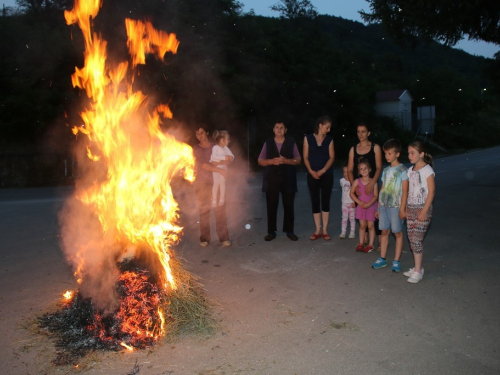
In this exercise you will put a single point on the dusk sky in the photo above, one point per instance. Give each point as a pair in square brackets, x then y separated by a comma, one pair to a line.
[345, 9]
[349, 10]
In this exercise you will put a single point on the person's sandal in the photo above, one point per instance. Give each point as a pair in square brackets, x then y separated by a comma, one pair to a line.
[327, 237]
[314, 237]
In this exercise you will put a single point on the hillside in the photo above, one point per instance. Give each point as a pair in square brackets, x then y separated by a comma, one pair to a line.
[241, 72]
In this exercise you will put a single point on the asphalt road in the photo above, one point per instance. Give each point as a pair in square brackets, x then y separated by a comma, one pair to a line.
[289, 307]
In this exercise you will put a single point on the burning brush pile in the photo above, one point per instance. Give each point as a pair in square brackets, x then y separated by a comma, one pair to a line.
[119, 228]
[145, 313]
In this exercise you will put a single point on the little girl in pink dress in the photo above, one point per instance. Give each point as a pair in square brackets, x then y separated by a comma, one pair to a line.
[366, 205]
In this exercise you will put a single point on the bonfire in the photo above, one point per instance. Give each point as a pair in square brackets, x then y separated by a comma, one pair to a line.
[120, 226]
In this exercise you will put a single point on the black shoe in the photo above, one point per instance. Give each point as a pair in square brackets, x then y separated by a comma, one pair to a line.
[292, 236]
[270, 237]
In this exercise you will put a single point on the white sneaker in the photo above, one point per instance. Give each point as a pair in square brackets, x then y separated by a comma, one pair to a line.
[204, 244]
[226, 243]
[416, 277]
[410, 271]
[352, 235]
[342, 235]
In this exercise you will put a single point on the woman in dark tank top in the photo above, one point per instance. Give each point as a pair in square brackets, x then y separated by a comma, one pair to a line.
[368, 150]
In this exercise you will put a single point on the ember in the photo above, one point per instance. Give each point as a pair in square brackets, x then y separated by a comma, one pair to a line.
[81, 327]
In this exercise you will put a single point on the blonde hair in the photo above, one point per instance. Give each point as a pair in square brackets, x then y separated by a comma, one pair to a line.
[219, 134]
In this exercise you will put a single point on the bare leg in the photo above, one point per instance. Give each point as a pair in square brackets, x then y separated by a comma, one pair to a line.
[317, 222]
[399, 245]
[325, 216]
[418, 261]
[384, 242]
[371, 231]
[362, 230]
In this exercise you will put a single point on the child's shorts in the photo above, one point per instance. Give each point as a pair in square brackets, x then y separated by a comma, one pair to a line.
[388, 218]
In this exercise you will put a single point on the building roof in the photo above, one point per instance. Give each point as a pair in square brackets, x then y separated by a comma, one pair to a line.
[391, 95]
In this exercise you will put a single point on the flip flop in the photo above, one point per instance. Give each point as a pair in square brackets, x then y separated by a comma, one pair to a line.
[314, 237]
[327, 237]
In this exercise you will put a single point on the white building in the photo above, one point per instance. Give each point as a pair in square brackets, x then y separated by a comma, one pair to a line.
[395, 104]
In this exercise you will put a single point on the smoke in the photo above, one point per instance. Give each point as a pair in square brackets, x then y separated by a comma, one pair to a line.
[88, 250]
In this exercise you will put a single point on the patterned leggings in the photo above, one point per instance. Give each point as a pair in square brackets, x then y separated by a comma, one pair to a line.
[348, 213]
[417, 229]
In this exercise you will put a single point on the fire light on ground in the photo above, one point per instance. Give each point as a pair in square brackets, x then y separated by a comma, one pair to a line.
[132, 202]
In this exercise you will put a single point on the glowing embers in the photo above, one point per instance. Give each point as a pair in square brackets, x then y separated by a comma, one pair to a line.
[136, 322]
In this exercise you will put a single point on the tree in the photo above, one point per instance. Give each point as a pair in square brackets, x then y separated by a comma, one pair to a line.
[447, 21]
[293, 9]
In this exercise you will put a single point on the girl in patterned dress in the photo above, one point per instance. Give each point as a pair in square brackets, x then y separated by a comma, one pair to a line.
[366, 205]
[421, 193]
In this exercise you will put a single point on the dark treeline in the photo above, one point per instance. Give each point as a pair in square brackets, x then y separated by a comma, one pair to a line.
[240, 71]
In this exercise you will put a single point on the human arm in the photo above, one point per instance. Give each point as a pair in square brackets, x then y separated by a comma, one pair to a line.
[377, 212]
[374, 198]
[350, 166]
[353, 195]
[305, 153]
[404, 199]
[378, 169]
[210, 167]
[331, 159]
[431, 187]
[264, 162]
[296, 160]
[224, 157]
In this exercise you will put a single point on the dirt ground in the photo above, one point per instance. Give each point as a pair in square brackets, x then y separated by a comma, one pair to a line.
[287, 307]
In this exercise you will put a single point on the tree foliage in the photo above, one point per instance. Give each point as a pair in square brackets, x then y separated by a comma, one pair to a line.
[447, 21]
[293, 9]
[233, 69]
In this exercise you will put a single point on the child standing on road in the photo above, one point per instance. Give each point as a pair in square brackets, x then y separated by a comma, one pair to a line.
[392, 204]
[221, 156]
[367, 205]
[419, 209]
[348, 206]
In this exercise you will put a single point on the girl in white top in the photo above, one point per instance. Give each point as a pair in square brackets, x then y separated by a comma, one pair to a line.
[421, 193]
[221, 156]
[348, 206]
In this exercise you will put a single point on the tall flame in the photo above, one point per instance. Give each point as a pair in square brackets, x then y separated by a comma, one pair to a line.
[135, 202]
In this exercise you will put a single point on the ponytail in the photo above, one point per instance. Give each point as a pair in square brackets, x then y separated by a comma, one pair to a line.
[428, 159]
[419, 146]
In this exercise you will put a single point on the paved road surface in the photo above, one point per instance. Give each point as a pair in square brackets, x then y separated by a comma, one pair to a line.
[290, 307]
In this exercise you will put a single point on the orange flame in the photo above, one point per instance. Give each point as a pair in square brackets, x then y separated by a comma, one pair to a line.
[135, 204]
[68, 295]
[127, 346]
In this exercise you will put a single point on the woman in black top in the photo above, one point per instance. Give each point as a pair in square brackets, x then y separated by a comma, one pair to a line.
[319, 154]
[279, 156]
[365, 149]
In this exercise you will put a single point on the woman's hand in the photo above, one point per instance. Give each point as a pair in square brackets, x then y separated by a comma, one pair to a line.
[278, 161]
[315, 174]
[369, 187]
